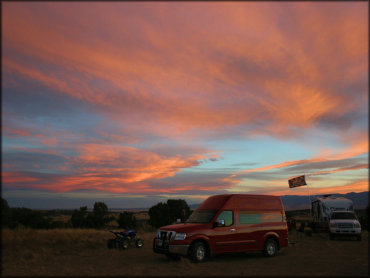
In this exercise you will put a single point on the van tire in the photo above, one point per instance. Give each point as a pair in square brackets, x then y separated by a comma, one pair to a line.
[198, 252]
[270, 248]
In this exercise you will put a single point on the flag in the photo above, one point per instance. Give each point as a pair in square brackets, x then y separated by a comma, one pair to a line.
[297, 181]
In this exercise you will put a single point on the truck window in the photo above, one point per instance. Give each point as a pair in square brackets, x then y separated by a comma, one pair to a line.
[343, 215]
[226, 215]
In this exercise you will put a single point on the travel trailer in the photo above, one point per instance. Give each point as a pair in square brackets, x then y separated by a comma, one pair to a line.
[323, 206]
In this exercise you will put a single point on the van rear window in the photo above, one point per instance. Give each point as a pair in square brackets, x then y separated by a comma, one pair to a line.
[251, 217]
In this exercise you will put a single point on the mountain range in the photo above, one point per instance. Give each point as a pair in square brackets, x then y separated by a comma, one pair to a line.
[295, 202]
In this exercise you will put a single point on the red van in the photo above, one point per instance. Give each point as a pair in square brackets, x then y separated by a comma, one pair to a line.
[226, 224]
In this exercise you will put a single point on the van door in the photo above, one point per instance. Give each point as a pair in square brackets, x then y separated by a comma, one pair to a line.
[249, 233]
[224, 237]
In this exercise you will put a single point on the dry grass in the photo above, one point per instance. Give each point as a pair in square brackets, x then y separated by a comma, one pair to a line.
[80, 252]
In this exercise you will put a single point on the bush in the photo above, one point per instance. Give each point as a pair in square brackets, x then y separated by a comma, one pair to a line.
[29, 218]
[79, 218]
[6, 215]
[98, 219]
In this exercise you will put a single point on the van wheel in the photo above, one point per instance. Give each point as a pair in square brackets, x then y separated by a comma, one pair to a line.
[331, 236]
[270, 249]
[198, 252]
[359, 238]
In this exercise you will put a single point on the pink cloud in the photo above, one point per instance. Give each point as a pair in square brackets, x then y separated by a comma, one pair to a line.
[149, 78]
[239, 64]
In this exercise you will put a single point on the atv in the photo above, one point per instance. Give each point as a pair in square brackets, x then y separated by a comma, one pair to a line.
[124, 239]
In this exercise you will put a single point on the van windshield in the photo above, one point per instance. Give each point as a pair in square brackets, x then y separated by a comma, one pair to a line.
[203, 216]
[343, 215]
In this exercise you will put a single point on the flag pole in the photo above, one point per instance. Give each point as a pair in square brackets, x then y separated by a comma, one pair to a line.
[309, 198]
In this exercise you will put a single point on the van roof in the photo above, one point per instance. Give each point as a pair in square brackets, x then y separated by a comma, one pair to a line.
[243, 201]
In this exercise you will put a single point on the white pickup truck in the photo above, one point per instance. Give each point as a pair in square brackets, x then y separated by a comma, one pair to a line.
[344, 223]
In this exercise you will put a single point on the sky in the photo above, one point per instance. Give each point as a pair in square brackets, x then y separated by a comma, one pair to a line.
[134, 103]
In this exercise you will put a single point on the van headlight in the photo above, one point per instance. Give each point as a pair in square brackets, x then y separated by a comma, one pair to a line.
[333, 225]
[357, 225]
[180, 236]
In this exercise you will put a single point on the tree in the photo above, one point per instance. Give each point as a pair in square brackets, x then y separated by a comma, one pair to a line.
[127, 220]
[179, 209]
[29, 218]
[100, 215]
[163, 214]
[78, 218]
[6, 214]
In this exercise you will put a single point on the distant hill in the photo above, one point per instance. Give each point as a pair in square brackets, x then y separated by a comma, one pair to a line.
[295, 202]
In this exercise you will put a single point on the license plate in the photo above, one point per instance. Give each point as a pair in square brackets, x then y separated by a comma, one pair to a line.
[159, 242]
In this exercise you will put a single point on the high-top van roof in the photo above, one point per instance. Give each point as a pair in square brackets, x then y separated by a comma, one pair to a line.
[243, 201]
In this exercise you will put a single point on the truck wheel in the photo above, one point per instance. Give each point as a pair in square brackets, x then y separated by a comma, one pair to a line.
[139, 243]
[198, 252]
[270, 249]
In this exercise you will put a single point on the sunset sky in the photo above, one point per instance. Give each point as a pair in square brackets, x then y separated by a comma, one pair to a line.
[133, 103]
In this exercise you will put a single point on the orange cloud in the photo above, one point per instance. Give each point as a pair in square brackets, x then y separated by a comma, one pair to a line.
[14, 178]
[147, 78]
[156, 68]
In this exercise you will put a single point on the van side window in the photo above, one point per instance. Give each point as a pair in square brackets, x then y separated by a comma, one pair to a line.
[226, 215]
[252, 217]
[249, 217]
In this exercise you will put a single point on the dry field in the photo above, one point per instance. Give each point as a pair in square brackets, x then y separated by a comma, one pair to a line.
[83, 253]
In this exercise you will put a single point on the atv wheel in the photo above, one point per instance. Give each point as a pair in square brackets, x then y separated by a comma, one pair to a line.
[139, 243]
[123, 243]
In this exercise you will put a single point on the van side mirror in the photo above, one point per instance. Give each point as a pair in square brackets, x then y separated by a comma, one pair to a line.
[219, 223]
[178, 221]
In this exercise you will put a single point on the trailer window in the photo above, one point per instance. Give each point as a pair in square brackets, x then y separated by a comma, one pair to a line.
[226, 215]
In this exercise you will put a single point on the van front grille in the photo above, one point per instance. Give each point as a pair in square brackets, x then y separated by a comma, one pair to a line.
[167, 235]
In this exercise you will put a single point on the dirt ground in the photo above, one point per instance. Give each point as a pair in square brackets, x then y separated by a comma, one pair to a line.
[61, 253]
